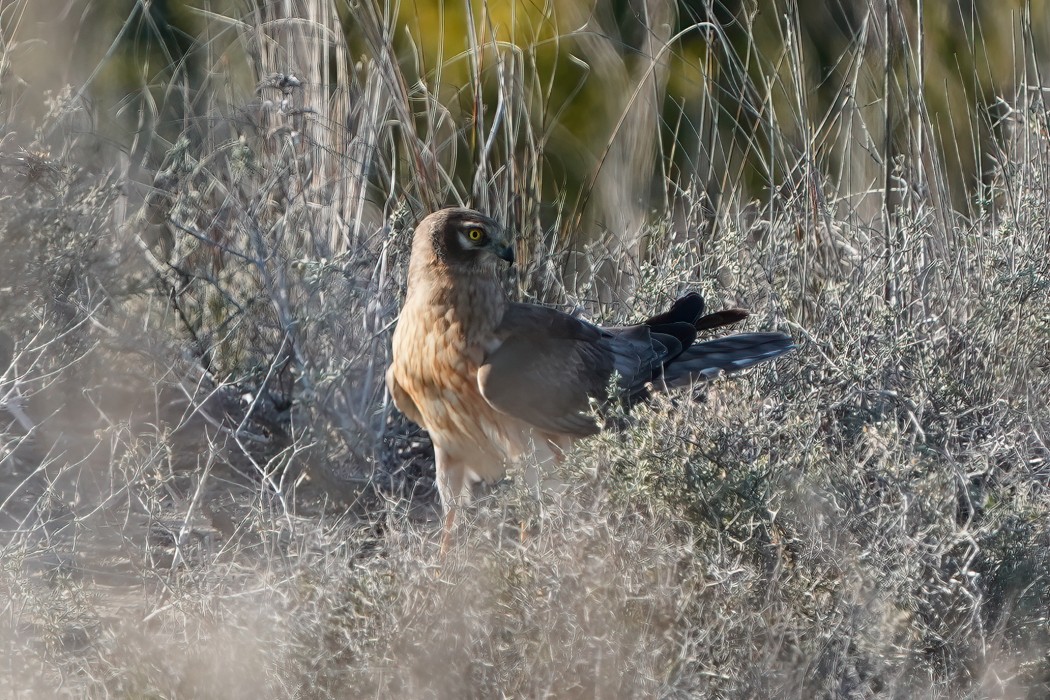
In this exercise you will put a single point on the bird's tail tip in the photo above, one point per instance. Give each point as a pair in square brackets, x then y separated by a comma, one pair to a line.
[732, 353]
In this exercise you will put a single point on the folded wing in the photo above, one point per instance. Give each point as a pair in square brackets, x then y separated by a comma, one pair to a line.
[545, 366]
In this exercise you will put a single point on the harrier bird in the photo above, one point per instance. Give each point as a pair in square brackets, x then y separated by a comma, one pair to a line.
[488, 377]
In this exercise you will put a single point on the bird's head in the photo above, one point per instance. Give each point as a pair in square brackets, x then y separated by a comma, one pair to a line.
[464, 239]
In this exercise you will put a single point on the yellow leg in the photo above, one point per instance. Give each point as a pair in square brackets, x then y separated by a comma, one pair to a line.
[446, 532]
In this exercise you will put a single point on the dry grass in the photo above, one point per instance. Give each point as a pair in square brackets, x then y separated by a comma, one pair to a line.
[215, 499]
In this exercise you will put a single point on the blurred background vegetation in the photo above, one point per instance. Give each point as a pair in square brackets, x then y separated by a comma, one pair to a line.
[723, 76]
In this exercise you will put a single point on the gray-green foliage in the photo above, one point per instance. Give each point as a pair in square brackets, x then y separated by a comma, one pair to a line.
[219, 502]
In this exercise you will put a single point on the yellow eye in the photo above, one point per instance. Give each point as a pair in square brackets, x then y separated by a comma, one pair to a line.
[475, 234]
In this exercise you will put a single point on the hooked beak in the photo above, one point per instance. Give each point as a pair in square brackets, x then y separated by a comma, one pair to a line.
[507, 254]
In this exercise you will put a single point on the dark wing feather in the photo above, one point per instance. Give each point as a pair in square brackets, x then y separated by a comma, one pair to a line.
[547, 365]
[685, 309]
[546, 368]
[719, 318]
[688, 309]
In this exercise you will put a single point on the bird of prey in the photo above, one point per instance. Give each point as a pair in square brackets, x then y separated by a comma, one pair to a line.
[489, 378]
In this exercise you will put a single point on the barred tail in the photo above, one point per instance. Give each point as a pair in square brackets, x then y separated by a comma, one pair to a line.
[708, 359]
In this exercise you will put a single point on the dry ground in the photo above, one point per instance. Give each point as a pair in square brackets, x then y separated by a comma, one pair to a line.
[216, 500]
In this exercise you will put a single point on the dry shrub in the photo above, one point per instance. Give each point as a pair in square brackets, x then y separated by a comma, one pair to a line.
[202, 356]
